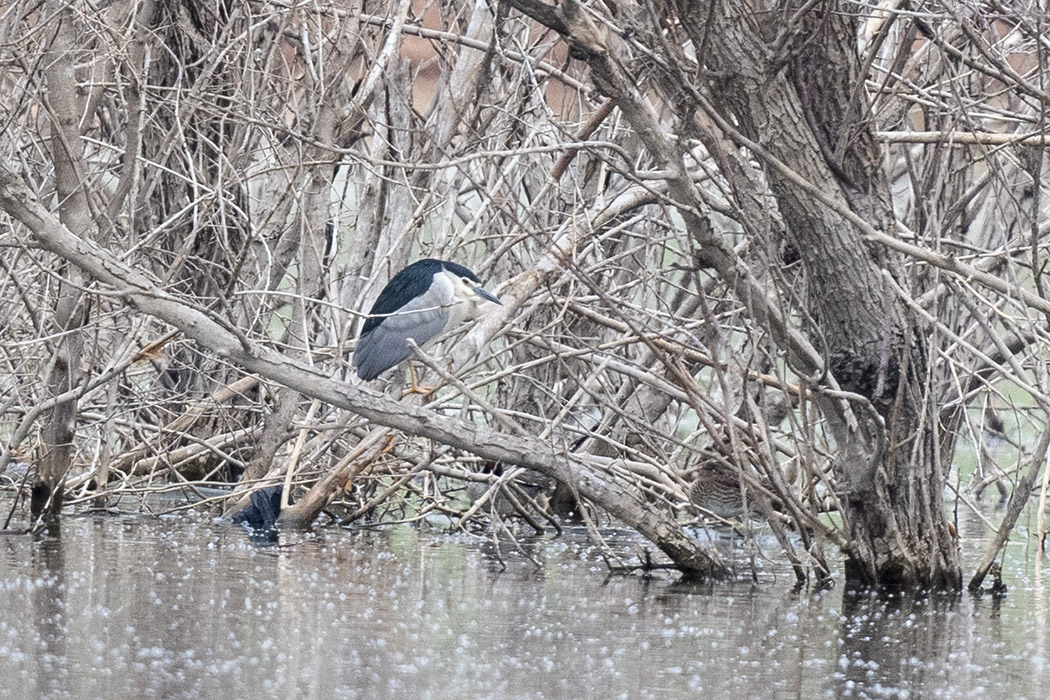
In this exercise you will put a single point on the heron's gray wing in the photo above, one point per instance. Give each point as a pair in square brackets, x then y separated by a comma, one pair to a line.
[386, 344]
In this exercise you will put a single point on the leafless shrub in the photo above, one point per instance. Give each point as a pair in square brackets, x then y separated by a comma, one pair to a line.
[272, 164]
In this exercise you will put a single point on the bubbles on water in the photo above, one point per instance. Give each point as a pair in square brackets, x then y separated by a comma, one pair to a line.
[197, 611]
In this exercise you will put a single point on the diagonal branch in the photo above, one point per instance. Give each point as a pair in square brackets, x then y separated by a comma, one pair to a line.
[138, 291]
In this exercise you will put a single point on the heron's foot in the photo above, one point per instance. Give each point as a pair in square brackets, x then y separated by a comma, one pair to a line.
[416, 389]
[414, 386]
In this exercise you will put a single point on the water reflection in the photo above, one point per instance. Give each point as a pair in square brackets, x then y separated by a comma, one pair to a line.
[48, 608]
[176, 608]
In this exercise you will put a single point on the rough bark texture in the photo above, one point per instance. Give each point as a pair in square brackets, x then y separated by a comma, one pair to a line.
[70, 311]
[694, 212]
[813, 120]
[889, 474]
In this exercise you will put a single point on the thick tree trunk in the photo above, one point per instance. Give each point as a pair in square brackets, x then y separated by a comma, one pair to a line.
[65, 109]
[814, 130]
[813, 118]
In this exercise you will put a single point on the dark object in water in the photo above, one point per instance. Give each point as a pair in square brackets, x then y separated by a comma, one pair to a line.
[262, 511]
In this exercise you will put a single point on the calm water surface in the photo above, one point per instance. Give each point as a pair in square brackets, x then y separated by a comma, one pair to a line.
[136, 607]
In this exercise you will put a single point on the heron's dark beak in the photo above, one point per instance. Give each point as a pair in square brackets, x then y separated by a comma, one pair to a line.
[486, 294]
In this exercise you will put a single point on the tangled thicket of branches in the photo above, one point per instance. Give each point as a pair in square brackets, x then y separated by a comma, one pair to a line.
[265, 166]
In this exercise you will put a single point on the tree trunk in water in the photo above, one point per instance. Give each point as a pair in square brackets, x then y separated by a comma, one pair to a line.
[70, 313]
[792, 91]
[812, 117]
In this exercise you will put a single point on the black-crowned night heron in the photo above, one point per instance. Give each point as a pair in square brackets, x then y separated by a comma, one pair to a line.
[418, 304]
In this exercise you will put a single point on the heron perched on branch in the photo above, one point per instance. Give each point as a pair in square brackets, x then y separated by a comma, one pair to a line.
[419, 304]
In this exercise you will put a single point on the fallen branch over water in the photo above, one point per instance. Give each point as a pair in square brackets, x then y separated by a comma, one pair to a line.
[212, 332]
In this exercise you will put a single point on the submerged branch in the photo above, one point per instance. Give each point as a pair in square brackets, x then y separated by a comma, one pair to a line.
[1022, 493]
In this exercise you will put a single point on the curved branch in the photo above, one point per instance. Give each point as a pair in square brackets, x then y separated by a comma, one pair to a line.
[139, 292]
